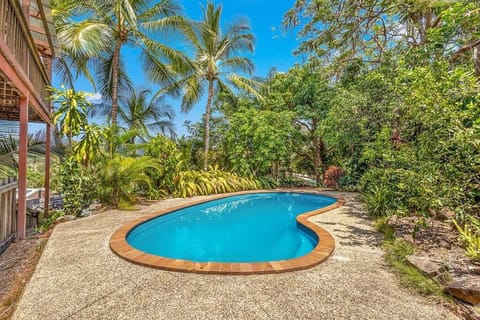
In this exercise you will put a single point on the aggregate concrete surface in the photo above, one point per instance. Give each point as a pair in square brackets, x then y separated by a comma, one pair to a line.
[79, 277]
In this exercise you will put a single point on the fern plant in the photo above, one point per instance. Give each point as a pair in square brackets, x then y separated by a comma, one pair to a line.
[470, 236]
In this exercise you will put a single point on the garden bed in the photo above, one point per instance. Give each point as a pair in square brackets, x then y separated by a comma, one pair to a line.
[17, 265]
[439, 254]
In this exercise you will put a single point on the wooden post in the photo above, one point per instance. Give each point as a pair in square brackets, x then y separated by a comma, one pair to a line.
[46, 201]
[22, 170]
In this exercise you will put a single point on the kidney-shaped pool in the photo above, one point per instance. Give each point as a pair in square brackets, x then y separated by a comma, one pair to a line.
[242, 229]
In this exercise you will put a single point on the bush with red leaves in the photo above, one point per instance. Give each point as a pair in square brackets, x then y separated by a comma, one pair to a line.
[332, 176]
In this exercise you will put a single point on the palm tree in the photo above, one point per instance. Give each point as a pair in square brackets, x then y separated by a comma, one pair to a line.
[97, 30]
[9, 145]
[143, 115]
[70, 112]
[216, 63]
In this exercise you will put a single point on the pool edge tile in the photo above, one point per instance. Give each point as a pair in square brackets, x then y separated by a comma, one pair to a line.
[319, 254]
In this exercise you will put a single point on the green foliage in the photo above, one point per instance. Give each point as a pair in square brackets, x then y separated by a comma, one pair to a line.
[396, 251]
[218, 64]
[71, 109]
[74, 184]
[35, 179]
[266, 183]
[382, 226]
[306, 93]
[121, 180]
[340, 31]
[390, 191]
[92, 33]
[258, 142]
[292, 182]
[169, 160]
[88, 148]
[470, 236]
[198, 183]
[48, 222]
[145, 116]
[379, 201]
[9, 147]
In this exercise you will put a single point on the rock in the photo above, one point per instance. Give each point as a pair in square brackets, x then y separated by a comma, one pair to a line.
[474, 269]
[409, 238]
[85, 213]
[442, 214]
[428, 266]
[94, 206]
[393, 220]
[66, 217]
[467, 289]
[446, 215]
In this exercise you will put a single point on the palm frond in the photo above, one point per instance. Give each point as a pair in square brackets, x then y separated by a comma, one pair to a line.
[163, 8]
[85, 38]
[104, 76]
[241, 64]
[193, 91]
[248, 85]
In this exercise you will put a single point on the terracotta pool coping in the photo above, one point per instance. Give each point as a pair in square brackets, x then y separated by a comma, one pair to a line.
[324, 248]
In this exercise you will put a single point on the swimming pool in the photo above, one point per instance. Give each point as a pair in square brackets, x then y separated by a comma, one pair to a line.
[247, 230]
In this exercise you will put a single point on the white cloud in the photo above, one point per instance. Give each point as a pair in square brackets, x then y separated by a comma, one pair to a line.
[95, 97]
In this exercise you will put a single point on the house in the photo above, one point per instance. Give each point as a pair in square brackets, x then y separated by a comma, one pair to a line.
[27, 47]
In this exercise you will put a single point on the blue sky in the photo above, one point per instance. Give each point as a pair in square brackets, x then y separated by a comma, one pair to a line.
[273, 46]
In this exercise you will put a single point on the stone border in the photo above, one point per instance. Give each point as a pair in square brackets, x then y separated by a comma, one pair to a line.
[324, 248]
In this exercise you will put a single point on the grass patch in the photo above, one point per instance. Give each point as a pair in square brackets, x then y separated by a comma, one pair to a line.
[396, 251]
[382, 226]
[410, 276]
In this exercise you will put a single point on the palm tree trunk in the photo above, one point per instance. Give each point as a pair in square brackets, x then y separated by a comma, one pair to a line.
[207, 124]
[115, 71]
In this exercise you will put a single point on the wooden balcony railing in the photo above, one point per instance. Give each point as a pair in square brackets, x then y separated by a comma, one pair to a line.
[14, 31]
[8, 211]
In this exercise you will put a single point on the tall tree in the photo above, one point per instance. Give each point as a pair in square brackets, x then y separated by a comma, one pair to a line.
[306, 92]
[146, 116]
[217, 63]
[99, 30]
[340, 31]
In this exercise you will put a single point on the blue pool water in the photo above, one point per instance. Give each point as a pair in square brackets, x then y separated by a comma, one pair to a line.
[246, 228]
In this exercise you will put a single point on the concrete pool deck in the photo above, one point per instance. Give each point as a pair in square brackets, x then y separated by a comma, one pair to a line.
[79, 277]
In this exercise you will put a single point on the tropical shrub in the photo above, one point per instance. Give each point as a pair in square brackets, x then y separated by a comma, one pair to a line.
[198, 183]
[35, 179]
[331, 177]
[394, 191]
[122, 180]
[292, 182]
[75, 185]
[169, 159]
[266, 183]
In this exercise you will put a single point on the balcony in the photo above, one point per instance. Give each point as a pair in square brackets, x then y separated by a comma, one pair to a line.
[24, 72]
